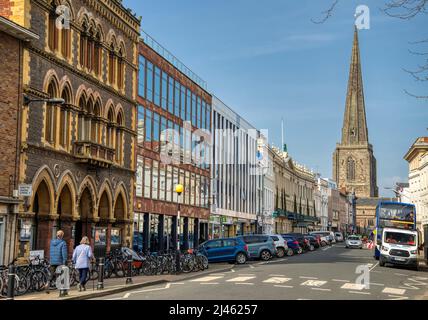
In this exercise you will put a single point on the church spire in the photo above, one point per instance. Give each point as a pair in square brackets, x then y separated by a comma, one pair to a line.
[354, 129]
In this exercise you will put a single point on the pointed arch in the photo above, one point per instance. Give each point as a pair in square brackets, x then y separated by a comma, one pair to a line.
[105, 210]
[350, 169]
[121, 203]
[87, 199]
[43, 199]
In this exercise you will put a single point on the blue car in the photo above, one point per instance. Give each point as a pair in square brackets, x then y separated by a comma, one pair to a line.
[293, 244]
[225, 250]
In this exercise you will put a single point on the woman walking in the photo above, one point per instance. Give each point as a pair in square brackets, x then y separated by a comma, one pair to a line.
[82, 256]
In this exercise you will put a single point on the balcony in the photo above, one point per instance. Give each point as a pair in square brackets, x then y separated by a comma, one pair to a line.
[302, 218]
[93, 154]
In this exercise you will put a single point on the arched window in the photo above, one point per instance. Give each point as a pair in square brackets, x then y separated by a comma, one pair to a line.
[120, 69]
[50, 123]
[83, 44]
[110, 129]
[88, 117]
[66, 38]
[350, 169]
[112, 65]
[64, 118]
[97, 53]
[119, 138]
[81, 121]
[95, 126]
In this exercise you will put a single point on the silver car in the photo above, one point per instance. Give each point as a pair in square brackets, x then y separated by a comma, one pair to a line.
[354, 242]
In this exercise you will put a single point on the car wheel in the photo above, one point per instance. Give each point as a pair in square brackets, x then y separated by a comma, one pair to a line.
[280, 252]
[265, 255]
[300, 251]
[381, 262]
[241, 258]
[290, 252]
[311, 247]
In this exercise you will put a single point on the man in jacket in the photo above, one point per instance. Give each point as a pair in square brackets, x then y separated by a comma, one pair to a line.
[58, 255]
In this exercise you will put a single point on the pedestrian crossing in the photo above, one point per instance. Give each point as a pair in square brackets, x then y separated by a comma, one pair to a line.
[281, 281]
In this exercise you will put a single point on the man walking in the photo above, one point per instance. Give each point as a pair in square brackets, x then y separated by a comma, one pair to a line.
[58, 255]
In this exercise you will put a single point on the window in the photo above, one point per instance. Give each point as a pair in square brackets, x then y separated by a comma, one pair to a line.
[169, 184]
[110, 129]
[208, 117]
[229, 243]
[164, 91]
[162, 181]
[198, 190]
[351, 169]
[53, 31]
[112, 66]
[174, 184]
[157, 86]
[156, 129]
[171, 98]
[177, 98]
[187, 188]
[192, 189]
[64, 118]
[148, 141]
[147, 177]
[203, 115]
[188, 106]
[65, 42]
[194, 113]
[142, 77]
[140, 125]
[182, 181]
[198, 113]
[119, 138]
[183, 103]
[214, 244]
[121, 69]
[149, 78]
[155, 180]
[50, 123]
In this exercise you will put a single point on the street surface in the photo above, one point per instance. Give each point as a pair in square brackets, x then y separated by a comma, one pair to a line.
[328, 273]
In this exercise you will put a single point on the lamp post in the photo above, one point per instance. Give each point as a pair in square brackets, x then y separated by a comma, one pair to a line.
[179, 188]
[28, 100]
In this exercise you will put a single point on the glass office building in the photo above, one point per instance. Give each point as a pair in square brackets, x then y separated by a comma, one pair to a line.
[174, 124]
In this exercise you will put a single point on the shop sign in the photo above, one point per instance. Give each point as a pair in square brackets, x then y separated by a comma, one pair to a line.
[37, 254]
[25, 190]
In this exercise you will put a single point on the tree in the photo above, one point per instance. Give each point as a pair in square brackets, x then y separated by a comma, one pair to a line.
[404, 10]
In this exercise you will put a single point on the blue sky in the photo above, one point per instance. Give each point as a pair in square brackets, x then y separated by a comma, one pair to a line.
[267, 60]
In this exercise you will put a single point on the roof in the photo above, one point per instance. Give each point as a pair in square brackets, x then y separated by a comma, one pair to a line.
[420, 144]
[16, 30]
[371, 202]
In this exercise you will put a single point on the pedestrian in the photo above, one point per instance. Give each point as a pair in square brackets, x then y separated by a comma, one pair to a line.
[82, 256]
[57, 254]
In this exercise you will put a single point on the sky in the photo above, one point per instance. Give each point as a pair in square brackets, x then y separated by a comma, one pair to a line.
[267, 60]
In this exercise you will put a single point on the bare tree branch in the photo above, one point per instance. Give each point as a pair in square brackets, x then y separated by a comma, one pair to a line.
[405, 9]
[327, 14]
[415, 96]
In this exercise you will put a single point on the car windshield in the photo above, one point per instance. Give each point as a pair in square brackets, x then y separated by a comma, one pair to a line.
[354, 238]
[400, 238]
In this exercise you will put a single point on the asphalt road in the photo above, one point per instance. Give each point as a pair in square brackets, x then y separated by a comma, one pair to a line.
[329, 273]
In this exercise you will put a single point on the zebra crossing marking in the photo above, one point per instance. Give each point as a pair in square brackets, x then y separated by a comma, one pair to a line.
[240, 279]
[207, 279]
[393, 291]
[352, 286]
[313, 283]
[277, 280]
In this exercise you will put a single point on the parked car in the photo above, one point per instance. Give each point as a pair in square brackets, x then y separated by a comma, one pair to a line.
[281, 246]
[225, 250]
[303, 242]
[259, 246]
[328, 236]
[318, 239]
[313, 242]
[293, 244]
[339, 236]
[354, 242]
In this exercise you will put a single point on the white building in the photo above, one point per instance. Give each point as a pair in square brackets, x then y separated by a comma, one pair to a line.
[321, 194]
[417, 157]
[269, 195]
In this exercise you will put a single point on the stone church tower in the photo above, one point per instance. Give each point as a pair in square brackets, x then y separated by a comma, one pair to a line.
[354, 165]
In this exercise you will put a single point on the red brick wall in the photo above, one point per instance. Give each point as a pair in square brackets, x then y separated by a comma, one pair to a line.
[5, 6]
[9, 99]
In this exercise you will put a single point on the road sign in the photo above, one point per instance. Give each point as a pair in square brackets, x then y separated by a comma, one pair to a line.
[25, 190]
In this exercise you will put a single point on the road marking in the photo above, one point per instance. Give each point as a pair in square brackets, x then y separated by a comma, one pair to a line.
[352, 286]
[282, 286]
[324, 249]
[320, 289]
[359, 292]
[277, 280]
[276, 275]
[177, 283]
[421, 278]
[246, 274]
[126, 296]
[205, 283]
[409, 288]
[240, 279]
[168, 285]
[338, 280]
[206, 279]
[217, 274]
[374, 266]
[308, 278]
[376, 284]
[245, 283]
[397, 297]
[252, 267]
[313, 283]
[401, 274]
[393, 291]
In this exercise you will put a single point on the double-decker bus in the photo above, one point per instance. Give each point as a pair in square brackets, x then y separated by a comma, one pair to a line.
[396, 234]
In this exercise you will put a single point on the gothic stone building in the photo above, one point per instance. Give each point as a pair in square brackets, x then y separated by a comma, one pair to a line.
[354, 165]
[79, 156]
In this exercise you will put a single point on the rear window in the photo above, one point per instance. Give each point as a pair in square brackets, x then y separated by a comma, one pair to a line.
[354, 238]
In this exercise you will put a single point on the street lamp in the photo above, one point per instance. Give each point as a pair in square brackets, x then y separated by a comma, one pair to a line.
[179, 188]
[28, 100]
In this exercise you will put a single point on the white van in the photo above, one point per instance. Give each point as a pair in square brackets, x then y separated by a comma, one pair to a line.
[398, 247]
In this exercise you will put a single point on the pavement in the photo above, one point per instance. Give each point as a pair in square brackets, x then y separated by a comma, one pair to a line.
[330, 273]
[118, 285]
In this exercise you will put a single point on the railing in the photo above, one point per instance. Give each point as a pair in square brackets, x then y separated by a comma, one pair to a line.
[94, 153]
[152, 43]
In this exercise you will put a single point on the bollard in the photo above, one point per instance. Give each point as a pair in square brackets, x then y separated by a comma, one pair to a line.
[129, 277]
[100, 284]
[11, 282]
[177, 262]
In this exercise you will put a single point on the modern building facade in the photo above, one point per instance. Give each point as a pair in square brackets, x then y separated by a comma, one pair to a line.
[417, 192]
[236, 181]
[13, 39]
[174, 125]
[73, 155]
[354, 165]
